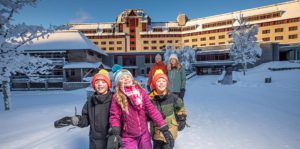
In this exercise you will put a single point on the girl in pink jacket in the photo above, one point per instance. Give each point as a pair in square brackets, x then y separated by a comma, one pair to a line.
[128, 114]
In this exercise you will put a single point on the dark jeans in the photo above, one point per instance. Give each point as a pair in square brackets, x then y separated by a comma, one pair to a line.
[160, 145]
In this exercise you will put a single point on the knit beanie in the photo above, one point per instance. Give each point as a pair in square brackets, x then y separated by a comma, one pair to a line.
[157, 75]
[173, 56]
[119, 72]
[101, 75]
[158, 56]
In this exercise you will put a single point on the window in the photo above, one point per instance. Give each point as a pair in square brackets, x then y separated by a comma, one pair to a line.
[221, 36]
[103, 48]
[96, 43]
[119, 48]
[230, 36]
[194, 46]
[132, 36]
[203, 39]
[153, 48]
[176, 41]
[211, 44]
[294, 36]
[119, 42]
[153, 41]
[169, 41]
[186, 41]
[293, 28]
[72, 72]
[266, 39]
[132, 30]
[278, 22]
[220, 43]
[278, 30]
[279, 38]
[266, 31]
[132, 42]
[103, 43]
[194, 40]
[203, 45]
[91, 53]
[212, 38]
[111, 48]
[161, 41]
[132, 49]
[146, 42]
[146, 48]
[292, 20]
[111, 42]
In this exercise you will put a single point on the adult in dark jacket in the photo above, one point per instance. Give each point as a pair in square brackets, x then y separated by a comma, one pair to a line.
[95, 112]
[176, 76]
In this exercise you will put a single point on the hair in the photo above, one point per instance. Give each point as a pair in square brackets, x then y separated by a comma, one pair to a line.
[177, 65]
[122, 98]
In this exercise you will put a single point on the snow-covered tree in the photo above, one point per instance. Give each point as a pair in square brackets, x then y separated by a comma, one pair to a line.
[186, 56]
[244, 48]
[12, 36]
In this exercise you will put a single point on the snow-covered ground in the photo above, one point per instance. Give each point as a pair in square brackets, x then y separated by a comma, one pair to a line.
[247, 115]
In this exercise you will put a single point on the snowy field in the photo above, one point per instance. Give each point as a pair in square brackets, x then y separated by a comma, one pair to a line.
[247, 115]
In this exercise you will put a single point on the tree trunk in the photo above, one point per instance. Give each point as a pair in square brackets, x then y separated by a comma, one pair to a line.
[6, 94]
[244, 68]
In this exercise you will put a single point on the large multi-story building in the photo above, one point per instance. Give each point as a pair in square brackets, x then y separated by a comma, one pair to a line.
[133, 39]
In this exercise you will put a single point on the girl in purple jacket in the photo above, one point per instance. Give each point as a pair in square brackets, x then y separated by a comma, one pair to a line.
[128, 114]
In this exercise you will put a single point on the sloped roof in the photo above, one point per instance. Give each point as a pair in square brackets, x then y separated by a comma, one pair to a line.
[62, 41]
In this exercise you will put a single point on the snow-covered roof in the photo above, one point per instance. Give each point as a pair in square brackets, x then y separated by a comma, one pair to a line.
[62, 41]
[74, 65]
[88, 26]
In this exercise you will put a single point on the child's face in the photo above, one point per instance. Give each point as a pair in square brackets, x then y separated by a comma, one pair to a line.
[101, 86]
[125, 80]
[173, 61]
[161, 84]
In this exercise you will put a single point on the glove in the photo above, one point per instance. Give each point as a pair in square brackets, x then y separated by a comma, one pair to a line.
[167, 134]
[114, 140]
[181, 120]
[148, 88]
[182, 92]
[66, 121]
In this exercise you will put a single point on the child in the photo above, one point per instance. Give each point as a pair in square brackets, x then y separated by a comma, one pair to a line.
[176, 76]
[95, 112]
[129, 110]
[170, 106]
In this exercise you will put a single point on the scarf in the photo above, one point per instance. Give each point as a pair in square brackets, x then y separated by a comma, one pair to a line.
[133, 93]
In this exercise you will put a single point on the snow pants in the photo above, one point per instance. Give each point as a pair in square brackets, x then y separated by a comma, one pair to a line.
[157, 144]
[141, 142]
[98, 143]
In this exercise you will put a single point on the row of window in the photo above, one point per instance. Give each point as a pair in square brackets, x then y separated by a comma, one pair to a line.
[160, 41]
[250, 18]
[294, 36]
[277, 30]
[111, 48]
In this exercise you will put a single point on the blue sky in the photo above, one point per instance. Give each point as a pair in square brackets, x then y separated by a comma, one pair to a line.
[57, 12]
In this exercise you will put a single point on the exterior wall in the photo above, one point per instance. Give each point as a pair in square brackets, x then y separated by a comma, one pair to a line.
[83, 56]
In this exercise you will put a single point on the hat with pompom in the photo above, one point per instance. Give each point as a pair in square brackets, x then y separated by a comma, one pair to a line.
[101, 75]
[157, 75]
[119, 72]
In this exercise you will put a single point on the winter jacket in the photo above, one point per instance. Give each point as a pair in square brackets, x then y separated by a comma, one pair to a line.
[169, 105]
[176, 79]
[95, 113]
[156, 66]
[134, 123]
